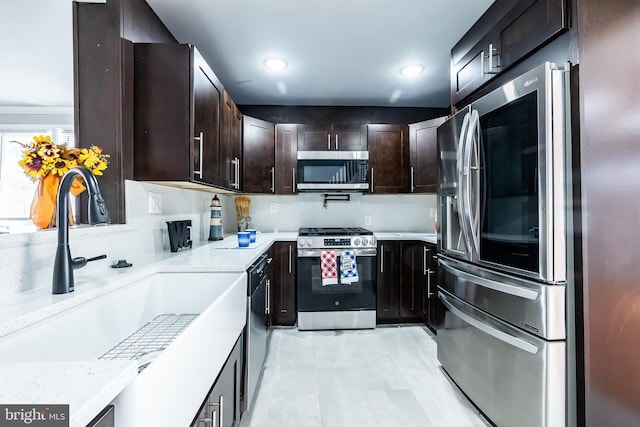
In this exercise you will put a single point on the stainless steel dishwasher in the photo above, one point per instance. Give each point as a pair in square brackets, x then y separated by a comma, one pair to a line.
[256, 329]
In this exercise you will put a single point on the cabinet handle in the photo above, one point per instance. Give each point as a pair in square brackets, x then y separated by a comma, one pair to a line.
[371, 180]
[336, 141]
[491, 50]
[236, 173]
[221, 403]
[290, 259]
[412, 173]
[273, 179]
[424, 260]
[328, 141]
[201, 140]
[429, 293]
[267, 308]
[381, 259]
[482, 64]
[293, 180]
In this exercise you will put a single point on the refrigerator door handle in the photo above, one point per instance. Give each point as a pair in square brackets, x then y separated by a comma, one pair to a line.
[499, 335]
[460, 190]
[506, 288]
[471, 212]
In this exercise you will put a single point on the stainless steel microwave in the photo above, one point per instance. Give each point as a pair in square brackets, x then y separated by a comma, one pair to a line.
[333, 171]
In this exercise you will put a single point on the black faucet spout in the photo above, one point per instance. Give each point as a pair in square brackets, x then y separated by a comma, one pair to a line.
[64, 265]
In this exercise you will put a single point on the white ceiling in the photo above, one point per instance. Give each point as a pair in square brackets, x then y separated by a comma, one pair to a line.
[340, 52]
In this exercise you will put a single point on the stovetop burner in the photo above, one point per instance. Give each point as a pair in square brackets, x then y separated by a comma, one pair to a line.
[334, 231]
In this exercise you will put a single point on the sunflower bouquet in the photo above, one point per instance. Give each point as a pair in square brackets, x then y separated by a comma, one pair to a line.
[45, 162]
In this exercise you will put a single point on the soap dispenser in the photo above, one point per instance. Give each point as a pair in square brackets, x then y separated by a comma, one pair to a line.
[215, 223]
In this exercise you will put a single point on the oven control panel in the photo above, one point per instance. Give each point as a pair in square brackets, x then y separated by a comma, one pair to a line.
[336, 242]
[342, 241]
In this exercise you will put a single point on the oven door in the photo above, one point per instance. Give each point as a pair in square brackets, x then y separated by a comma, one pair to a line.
[513, 194]
[313, 296]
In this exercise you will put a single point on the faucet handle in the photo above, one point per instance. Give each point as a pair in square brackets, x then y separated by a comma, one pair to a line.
[80, 261]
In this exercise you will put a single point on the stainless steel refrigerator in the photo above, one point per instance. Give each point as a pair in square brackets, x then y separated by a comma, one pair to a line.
[504, 186]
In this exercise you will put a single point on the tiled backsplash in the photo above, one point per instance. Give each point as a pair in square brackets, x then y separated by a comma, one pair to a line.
[26, 260]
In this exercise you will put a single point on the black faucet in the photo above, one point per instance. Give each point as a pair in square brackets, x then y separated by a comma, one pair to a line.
[63, 265]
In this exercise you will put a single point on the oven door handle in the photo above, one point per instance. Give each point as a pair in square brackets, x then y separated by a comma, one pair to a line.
[315, 253]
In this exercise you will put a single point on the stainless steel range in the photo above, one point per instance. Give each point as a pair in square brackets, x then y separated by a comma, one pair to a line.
[336, 278]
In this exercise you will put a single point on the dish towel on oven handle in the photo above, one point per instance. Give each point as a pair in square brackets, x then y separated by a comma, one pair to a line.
[348, 267]
[329, 268]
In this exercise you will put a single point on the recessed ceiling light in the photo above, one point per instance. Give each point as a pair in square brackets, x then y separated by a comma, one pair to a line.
[275, 63]
[412, 70]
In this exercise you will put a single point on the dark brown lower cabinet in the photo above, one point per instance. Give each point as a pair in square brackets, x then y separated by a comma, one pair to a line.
[106, 418]
[388, 282]
[221, 408]
[282, 295]
[407, 282]
[412, 287]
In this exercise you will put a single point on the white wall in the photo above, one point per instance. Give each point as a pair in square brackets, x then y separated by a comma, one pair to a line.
[399, 212]
[26, 260]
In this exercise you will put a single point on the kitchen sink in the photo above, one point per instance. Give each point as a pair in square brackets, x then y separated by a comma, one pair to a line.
[186, 366]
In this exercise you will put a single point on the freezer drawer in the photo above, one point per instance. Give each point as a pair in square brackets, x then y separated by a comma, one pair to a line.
[515, 378]
[533, 306]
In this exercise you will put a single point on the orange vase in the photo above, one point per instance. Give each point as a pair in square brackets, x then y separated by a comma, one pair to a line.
[43, 206]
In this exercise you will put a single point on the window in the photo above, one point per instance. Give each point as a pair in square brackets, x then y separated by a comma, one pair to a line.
[16, 189]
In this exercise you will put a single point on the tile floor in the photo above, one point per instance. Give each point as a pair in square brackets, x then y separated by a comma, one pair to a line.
[386, 377]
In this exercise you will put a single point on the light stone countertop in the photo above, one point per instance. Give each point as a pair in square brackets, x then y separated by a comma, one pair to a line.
[425, 237]
[89, 386]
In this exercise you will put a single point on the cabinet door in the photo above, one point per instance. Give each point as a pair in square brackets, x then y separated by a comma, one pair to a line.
[258, 159]
[210, 152]
[505, 34]
[286, 158]
[231, 141]
[388, 282]
[435, 313]
[471, 72]
[388, 158]
[349, 137]
[423, 152]
[414, 280]
[106, 418]
[224, 399]
[162, 122]
[314, 137]
[283, 284]
[529, 25]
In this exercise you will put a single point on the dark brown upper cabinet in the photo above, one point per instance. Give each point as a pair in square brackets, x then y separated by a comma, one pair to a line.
[286, 158]
[506, 33]
[258, 157]
[423, 152]
[388, 158]
[177, 116]
[231, 141]
[332, 138]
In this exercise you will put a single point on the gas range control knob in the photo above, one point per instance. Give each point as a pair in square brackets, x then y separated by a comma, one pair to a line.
[301, 242]
[356, 241]
[309, 242]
